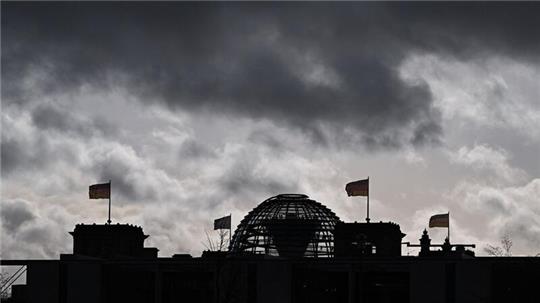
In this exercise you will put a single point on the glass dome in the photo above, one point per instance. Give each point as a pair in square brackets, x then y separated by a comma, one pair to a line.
[287, 225]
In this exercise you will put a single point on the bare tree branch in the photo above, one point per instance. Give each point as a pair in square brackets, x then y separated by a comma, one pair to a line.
[219, 244]
[505, 250]
[506, 243]
[4, 277]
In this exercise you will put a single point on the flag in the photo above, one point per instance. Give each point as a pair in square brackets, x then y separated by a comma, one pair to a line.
[358, 188]
[223, 223]
[100, 191]
[441, 220]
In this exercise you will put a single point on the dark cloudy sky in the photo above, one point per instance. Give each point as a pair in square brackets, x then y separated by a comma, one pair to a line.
[199, 110]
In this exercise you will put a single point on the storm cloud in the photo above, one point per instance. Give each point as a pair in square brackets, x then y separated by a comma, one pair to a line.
[198, 110]
[15, 214]
[311, 67]
[307, 68]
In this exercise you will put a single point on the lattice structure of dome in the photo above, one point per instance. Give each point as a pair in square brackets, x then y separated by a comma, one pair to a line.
[287, 225]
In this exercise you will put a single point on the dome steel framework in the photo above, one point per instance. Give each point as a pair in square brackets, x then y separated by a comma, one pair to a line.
[287, 225]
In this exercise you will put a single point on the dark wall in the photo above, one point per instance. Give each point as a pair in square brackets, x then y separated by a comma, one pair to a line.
[311, 285]
[129, 283]
[367, 239]
[267, 280]
[516, 281]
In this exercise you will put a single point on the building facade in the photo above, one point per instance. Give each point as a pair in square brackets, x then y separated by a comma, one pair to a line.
[303, 253]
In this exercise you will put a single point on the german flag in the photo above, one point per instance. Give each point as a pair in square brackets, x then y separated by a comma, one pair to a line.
[441, 220]
[358, 188]
[100, 191]
[223, 223]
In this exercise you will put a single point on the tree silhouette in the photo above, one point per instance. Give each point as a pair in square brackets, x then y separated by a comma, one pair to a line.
[217, 244]
[505, 250]
[4, 277]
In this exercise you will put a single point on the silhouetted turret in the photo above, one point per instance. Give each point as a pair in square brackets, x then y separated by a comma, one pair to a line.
[425, 243]
[446, 251]
[357, 239]
[111, 241]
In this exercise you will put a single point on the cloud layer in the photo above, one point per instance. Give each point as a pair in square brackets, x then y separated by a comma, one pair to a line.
[199, 110]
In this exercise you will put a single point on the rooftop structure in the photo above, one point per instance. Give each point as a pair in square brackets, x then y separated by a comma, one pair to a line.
[362, 263]
[111, 241]
[288, 225]
[368, 239]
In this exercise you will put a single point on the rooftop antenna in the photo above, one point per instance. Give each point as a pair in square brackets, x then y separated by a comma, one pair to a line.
[110, 194]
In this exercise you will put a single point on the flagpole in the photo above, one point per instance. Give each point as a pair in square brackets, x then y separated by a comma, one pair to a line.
[448, 226]
[367, 218]
[110, 194]
[230, 226]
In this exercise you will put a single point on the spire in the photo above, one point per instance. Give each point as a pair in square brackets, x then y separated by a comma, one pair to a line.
[447, 247]
[425, 243]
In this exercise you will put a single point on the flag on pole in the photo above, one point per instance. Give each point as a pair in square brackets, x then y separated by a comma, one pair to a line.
[441, 220]
[223, 223]
[100, 191]
[358, 188]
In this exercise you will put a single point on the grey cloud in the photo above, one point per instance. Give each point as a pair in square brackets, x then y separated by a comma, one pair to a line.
[14, 214]
[276, 63]
[34, 149]
[498, 206]
[524, 229]
[192, 149]
[120, 170]
[266, 138]
[34, 152]
[507, 210]
[19, 154]
[46, 117]
[474, 30]
[50, 117]
[33, 232]
[243, 178]
[265, 62]
[11, 155]
[328, 70]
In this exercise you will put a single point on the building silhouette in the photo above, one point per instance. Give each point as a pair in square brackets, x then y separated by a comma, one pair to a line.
[287, 249]
[288, 225]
